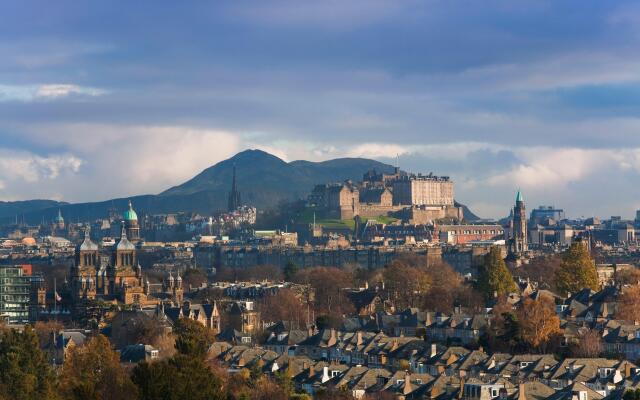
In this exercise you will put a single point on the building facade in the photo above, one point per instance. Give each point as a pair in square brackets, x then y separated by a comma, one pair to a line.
[15, 294]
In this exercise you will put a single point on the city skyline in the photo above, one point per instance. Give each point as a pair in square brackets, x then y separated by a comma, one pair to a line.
[539, 96]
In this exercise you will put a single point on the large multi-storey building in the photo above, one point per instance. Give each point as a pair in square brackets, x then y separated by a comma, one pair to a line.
[15, 294]
[419, 190]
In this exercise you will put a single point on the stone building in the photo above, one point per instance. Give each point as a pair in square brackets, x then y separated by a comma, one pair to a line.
[120, 279]
[416, 198]
[420, 190]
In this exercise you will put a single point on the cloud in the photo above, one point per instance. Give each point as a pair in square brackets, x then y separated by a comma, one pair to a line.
[125, 160]
[28, 93]
[24, 172]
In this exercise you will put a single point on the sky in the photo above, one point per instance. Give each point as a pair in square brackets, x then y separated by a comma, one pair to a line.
[113, 99]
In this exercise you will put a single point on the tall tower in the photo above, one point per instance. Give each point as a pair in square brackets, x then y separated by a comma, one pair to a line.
[234, 195]
[83, 285]
[131, 223]
[519, 243]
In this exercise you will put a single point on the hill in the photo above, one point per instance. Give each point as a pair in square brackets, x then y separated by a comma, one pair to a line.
[264, 180]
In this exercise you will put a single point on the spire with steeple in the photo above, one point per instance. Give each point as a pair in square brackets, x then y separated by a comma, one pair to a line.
[519, 235]
[234, 195]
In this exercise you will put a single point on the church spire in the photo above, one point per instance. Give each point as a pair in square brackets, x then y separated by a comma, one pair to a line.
[234, 194]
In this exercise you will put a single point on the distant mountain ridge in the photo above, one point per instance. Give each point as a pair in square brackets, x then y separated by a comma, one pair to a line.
[263, 180]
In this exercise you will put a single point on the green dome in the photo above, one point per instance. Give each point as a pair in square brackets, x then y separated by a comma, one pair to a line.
[130, 215]
[59, 217]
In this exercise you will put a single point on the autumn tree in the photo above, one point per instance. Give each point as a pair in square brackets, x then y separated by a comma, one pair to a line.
[627, 276]
[93, 371]
[629, 304]
[539, 323]
[285, 305]
[24, 371]
[45, 331]
[495, 278]
[541, 269]
[577, 270]
[503, 331]
[589, 345]
[446, 288]
[405, 284]
[328, 285]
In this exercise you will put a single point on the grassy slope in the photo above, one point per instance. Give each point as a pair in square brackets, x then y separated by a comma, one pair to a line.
[306, 217]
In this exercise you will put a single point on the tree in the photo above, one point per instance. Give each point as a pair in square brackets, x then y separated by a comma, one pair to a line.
[542, 269]
[627, 276]
[45, 331]
[631, 394]
[577, 270]
[539, 323]
[589, 345]
[93, 371]
[446, 285]
[192, 338]
[405, 284]
[181, 377]
[495, 278]
[629, 304]
[290, 270]
[185, 376]
[285, 305]
[503, 333]
[328, 285]
[24, 371]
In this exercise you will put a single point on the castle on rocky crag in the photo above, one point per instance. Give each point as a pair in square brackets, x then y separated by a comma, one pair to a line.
[415, 198]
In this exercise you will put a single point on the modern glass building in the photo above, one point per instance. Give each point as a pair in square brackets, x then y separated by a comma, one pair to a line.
[15, 294]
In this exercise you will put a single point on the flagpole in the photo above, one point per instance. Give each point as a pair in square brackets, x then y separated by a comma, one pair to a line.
[55, 298]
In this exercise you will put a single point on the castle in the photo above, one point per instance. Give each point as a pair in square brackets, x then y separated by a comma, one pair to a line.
[414, 198]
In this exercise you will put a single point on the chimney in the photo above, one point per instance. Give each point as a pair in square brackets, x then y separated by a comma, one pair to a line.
[434, 350]
[325, 374]
[312, 371]
[522, 395]
[332, 338]
[359, 338]
[406, 388]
